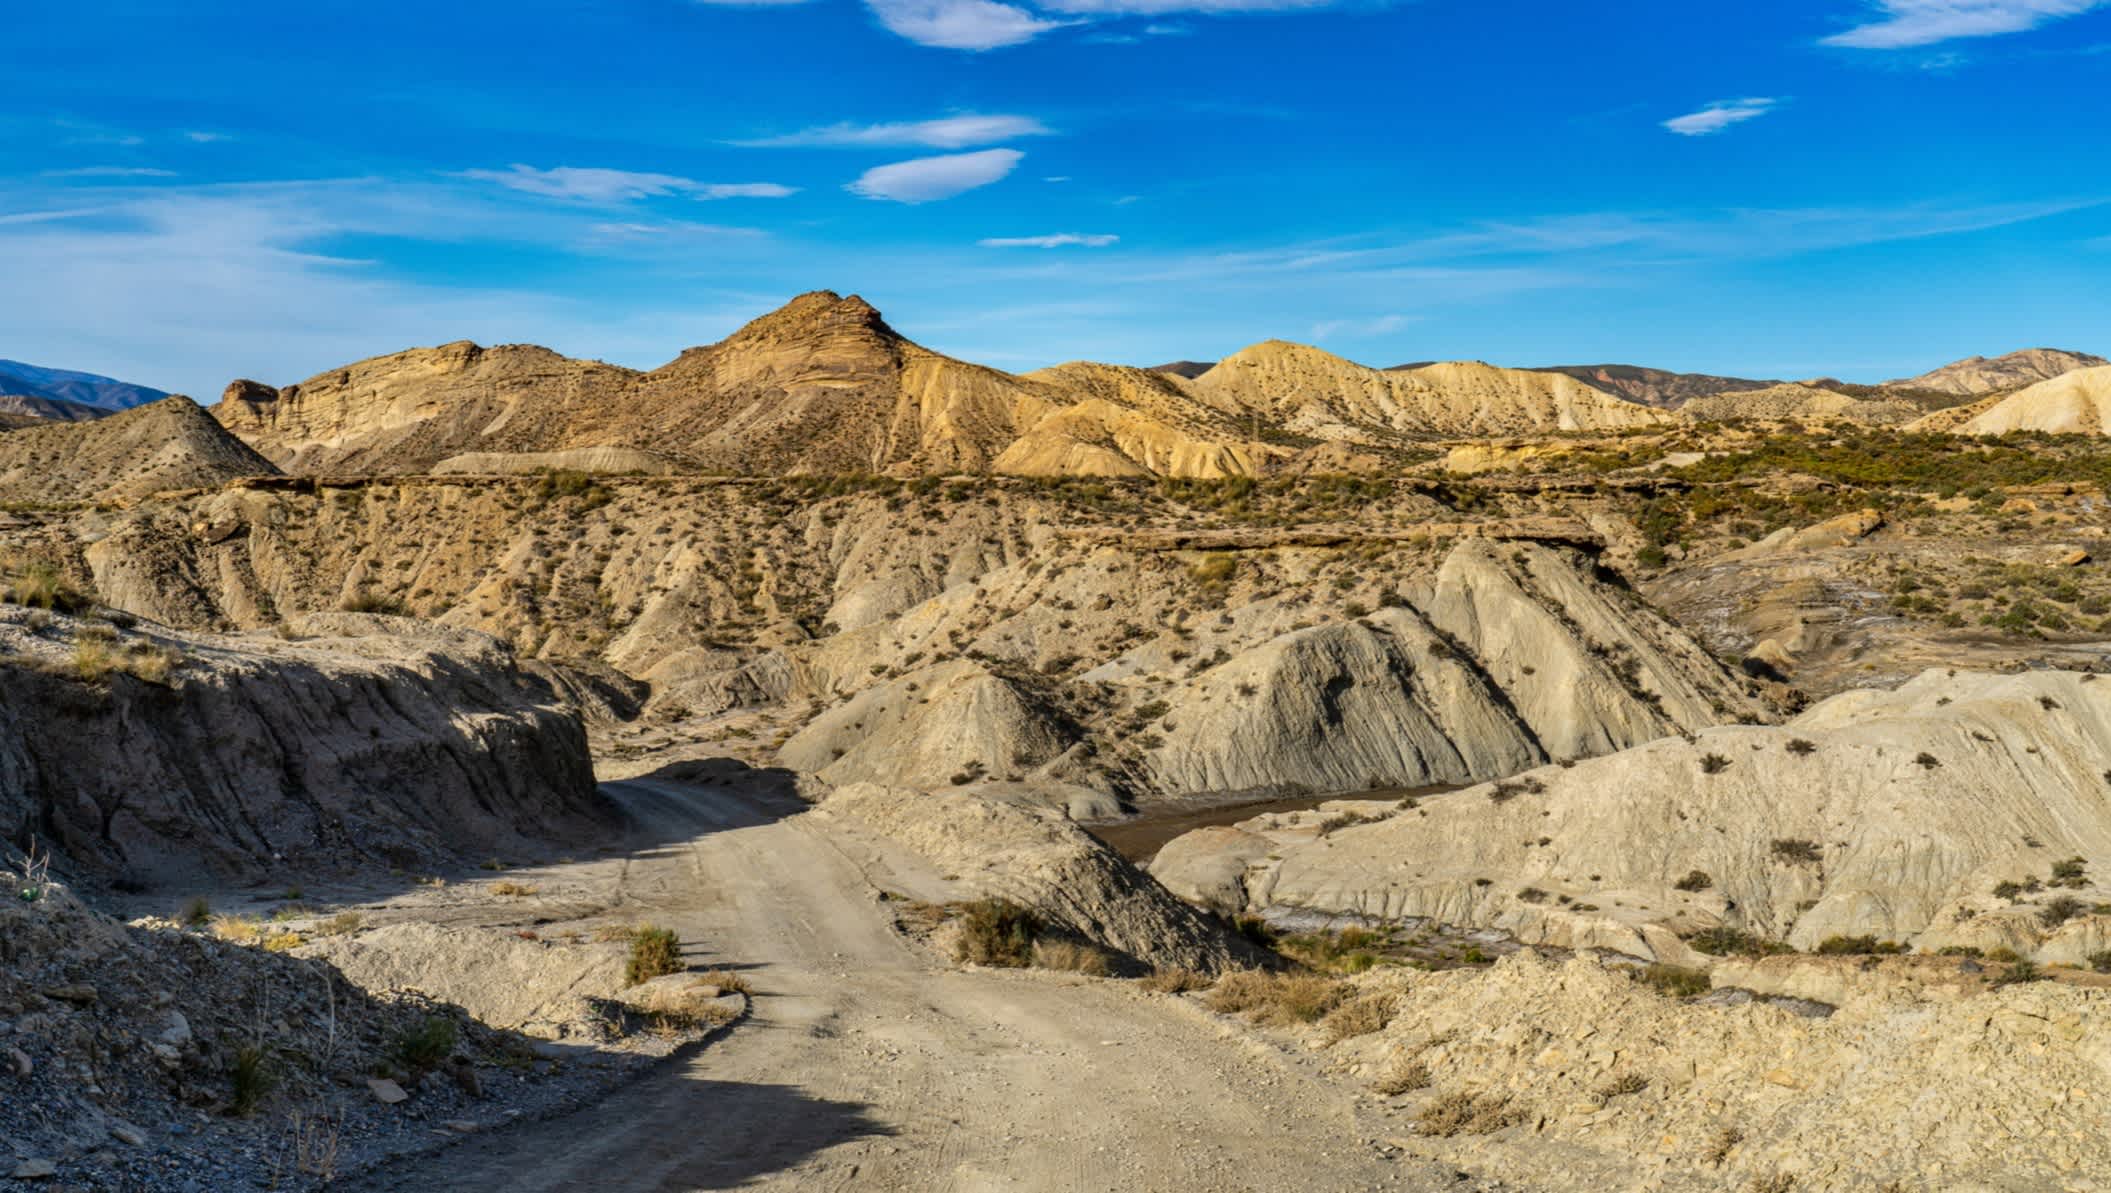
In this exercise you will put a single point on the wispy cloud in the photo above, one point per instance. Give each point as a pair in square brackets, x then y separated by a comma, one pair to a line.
[206, 136]
[1719, 115]
[1333, 329]
[960, 24]
[591, 185]
[1055, 241]
[1902, 24]
[923, 179]
[111, 172]
[1152, 8]
[947, 132]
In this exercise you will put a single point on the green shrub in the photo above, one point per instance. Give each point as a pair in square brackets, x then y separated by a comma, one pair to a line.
[1675, 981]
[254, 1077]
[426, 1047]
[654, 952]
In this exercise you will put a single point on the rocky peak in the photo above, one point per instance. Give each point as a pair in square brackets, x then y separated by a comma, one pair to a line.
[244, 390]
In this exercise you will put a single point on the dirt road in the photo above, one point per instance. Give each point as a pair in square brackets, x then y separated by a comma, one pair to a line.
[867, 1065]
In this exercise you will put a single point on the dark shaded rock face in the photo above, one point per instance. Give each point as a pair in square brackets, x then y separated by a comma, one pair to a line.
[372, 742]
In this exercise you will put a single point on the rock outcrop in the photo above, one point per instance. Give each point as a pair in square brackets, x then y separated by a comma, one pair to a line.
[1038, 859]
[360, 738]
[1894, 814]
[1802, 403]
[945, 724]
[2074, 403]
[169, 444]
[1654, 387]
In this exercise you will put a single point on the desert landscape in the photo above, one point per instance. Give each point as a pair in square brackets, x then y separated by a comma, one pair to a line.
[1055, 596]
[823, 763]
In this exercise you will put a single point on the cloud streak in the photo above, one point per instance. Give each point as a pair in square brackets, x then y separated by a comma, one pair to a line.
[1719, 115]
[1904, 24]
[1055, 241]
[964, 131]
[599, 186]
[925, 179]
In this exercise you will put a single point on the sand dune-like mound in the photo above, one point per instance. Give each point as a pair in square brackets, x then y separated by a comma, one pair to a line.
[2076, 403]
[1803, 403]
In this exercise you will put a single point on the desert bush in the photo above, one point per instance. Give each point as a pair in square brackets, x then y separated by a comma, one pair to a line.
[238, 929]
[1797, 852]
[344, 923]
[1174, 981]
[254, 1077]
[1675, 981]
[197, 912]
[1071, 957]
[997, 932]
[1857, 946]
[2100, 961]
[42, 586]
[1464, 1113]
[654, 952]
[1621, 1086]
[1359, 1016]
[2019, 972]
[2055, 912]
[1275, 998]
[513, 890]
[1695, 880]
[1802, 747]
[1404, 1075]
[1714, 764]
[427, 1046]
[1726, 941]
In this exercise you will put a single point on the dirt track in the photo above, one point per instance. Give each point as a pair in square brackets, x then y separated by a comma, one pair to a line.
[866, 1065]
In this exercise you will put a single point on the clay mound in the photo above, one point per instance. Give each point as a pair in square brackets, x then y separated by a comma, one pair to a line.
[247, 755]
[1892, 814]
[1950, 418]
[170, 444]
[1802, 403]
[1976, 375]
[1310, 392]
[1038, 859]
[543, 988]
[942, 725]
[1376, 703]
[2075, 403]
[617, 461]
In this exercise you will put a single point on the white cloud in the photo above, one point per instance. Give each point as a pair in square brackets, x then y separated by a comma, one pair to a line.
[1718, 116]
[1055, 241]
[111, 172]
[745, 190]
[923, 179]
[1908, 23]
[1355, 328]
[946, 132]
[619, 186]
[960, 24]
[749, 3]
[203, 137]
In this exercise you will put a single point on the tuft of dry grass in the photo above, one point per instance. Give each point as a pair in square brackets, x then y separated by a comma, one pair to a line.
[238, 929]
[510, 889]
[344, 923]
[1464, 1113]
[1173, 981]
[1621, 1086]
[1405, 1075]
[672, 1008]
[283, 940]
[1359, 1016]
[1071, 956]
[1278, 999]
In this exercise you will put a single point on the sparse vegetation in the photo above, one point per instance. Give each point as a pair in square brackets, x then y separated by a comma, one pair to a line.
[1405, 1075]
[1796, 851]
[254, 1077]
[1675, 981]
[1071, 956]
[1464, 1113]
[997, 932]
[1360, 1016]
[1279, 999]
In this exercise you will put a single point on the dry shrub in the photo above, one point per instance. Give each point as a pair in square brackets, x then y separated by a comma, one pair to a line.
[513, 890]
[1624, 1084]
[1359, 1017]
[654, 952]
[1070, 956]
[1405, 1075]
[344, 923]
[238, 929]
[727, 981]
[1464, 1113]
[997, 932]
[1174, 981]
[671, 1008]
[1279, 999]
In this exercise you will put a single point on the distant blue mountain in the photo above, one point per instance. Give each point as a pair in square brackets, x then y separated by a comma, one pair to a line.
[86, 389]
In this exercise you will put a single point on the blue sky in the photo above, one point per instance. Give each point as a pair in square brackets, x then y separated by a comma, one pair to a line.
[190, 193]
